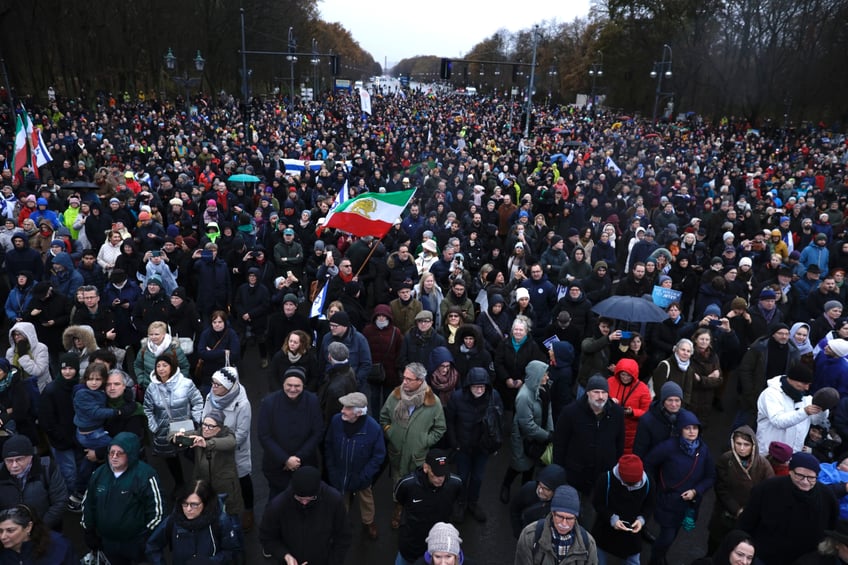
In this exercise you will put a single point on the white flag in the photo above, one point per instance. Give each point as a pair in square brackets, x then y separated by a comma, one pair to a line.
[42, 154]
[365, 101]
[612, 166]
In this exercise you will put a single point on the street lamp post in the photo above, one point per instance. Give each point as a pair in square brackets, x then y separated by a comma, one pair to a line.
[532, 80]
[552, 74]
[596, 70]
[316, 60]
[292, 59]
[662, 69]
[186, 81]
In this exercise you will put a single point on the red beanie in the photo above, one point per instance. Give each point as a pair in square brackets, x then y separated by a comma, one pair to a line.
[630, 468]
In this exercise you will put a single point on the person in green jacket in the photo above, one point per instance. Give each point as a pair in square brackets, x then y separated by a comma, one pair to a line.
[123, 503]
[413, 420]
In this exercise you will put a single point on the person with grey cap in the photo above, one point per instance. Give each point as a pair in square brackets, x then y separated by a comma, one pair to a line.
[288, 254]
[444, 546]
[589, 437]
[557, 538]
[788, 516]
[421, 340]
[354, 451]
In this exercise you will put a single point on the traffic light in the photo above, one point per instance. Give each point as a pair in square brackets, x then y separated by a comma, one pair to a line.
[445, 70]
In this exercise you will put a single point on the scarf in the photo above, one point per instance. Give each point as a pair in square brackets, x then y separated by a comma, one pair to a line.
[806, 346]
[561, 544]
[409, 401]
[222, 402]
[788, 390]
[683, 366]
[690, 447]
[158, 350]
[444, 384]
[294, 357]
[4, 384]
[516, 345]
[767, 314]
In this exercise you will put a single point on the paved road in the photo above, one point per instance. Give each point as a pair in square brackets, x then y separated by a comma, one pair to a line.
[490, 543]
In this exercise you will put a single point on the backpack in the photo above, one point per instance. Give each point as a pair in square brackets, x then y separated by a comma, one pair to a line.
[491, 438]
[540, 527]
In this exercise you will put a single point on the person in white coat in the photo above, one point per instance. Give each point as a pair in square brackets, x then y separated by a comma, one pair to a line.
[785, 410]
[28, 355]
[229, 397]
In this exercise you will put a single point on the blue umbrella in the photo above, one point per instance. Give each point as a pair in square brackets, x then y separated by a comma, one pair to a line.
[630, 309]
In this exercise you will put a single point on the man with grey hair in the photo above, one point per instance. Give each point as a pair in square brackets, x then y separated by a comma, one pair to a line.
[354, 450]
[413, 420]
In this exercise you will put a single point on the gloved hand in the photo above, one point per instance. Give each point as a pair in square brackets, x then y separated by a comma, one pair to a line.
[93, 541]
[126, 409]
[22, 348]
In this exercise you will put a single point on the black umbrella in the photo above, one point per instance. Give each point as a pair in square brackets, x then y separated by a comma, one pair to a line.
[630, 309]
[79, 184]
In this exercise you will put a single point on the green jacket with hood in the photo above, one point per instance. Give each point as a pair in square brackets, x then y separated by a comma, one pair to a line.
[127, 507]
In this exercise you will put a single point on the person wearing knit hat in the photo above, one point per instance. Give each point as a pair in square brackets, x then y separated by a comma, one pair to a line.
[225, 377]
[597, 382]
[785, 409]
[628, 500]
[559, 533]
[657, 424]
[307, 524]
[787, 516]
[769, 356]
[443, 545]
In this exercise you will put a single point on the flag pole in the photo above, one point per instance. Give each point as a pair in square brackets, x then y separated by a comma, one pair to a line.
[368, 257]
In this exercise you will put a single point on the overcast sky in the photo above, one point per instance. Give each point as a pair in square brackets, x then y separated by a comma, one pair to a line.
[445, 28]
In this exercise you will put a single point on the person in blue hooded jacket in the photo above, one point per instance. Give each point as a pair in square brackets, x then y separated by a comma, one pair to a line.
[65, 278]
[42, 213]
[21, 258]
[17, 303]
[683, 470]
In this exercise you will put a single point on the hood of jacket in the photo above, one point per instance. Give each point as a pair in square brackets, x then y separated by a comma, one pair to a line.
[686, 418]
[130, 443]
[563, 353]
[382, 309]
[533, 375]
[86, 333]
[65, 261]
[477, 376]
[28, 330]
[469, 330]
[750, 436]
[628, 366]
[439, 355]
[496, 298]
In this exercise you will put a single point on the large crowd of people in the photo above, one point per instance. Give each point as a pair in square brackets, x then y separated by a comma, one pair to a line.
[159, 249]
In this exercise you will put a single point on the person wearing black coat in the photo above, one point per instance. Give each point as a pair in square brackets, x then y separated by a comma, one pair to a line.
[598, 285]
[624, 500]
[183, 318]
[575, 303]
[464, 416]
[666, 334]
[56, 417]
[533, 501]
[50, 313]
[213, 274]
[153, 306]
[511, 360]
[317, 532]
[657, 424]
[589, 439]
[469, 350]
[787, 516]
[250, 312]
[36, 483]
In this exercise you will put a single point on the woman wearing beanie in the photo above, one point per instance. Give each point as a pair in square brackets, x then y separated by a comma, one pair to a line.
[443, 546]
[170, 398]
[229, 399]
[683, 471]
